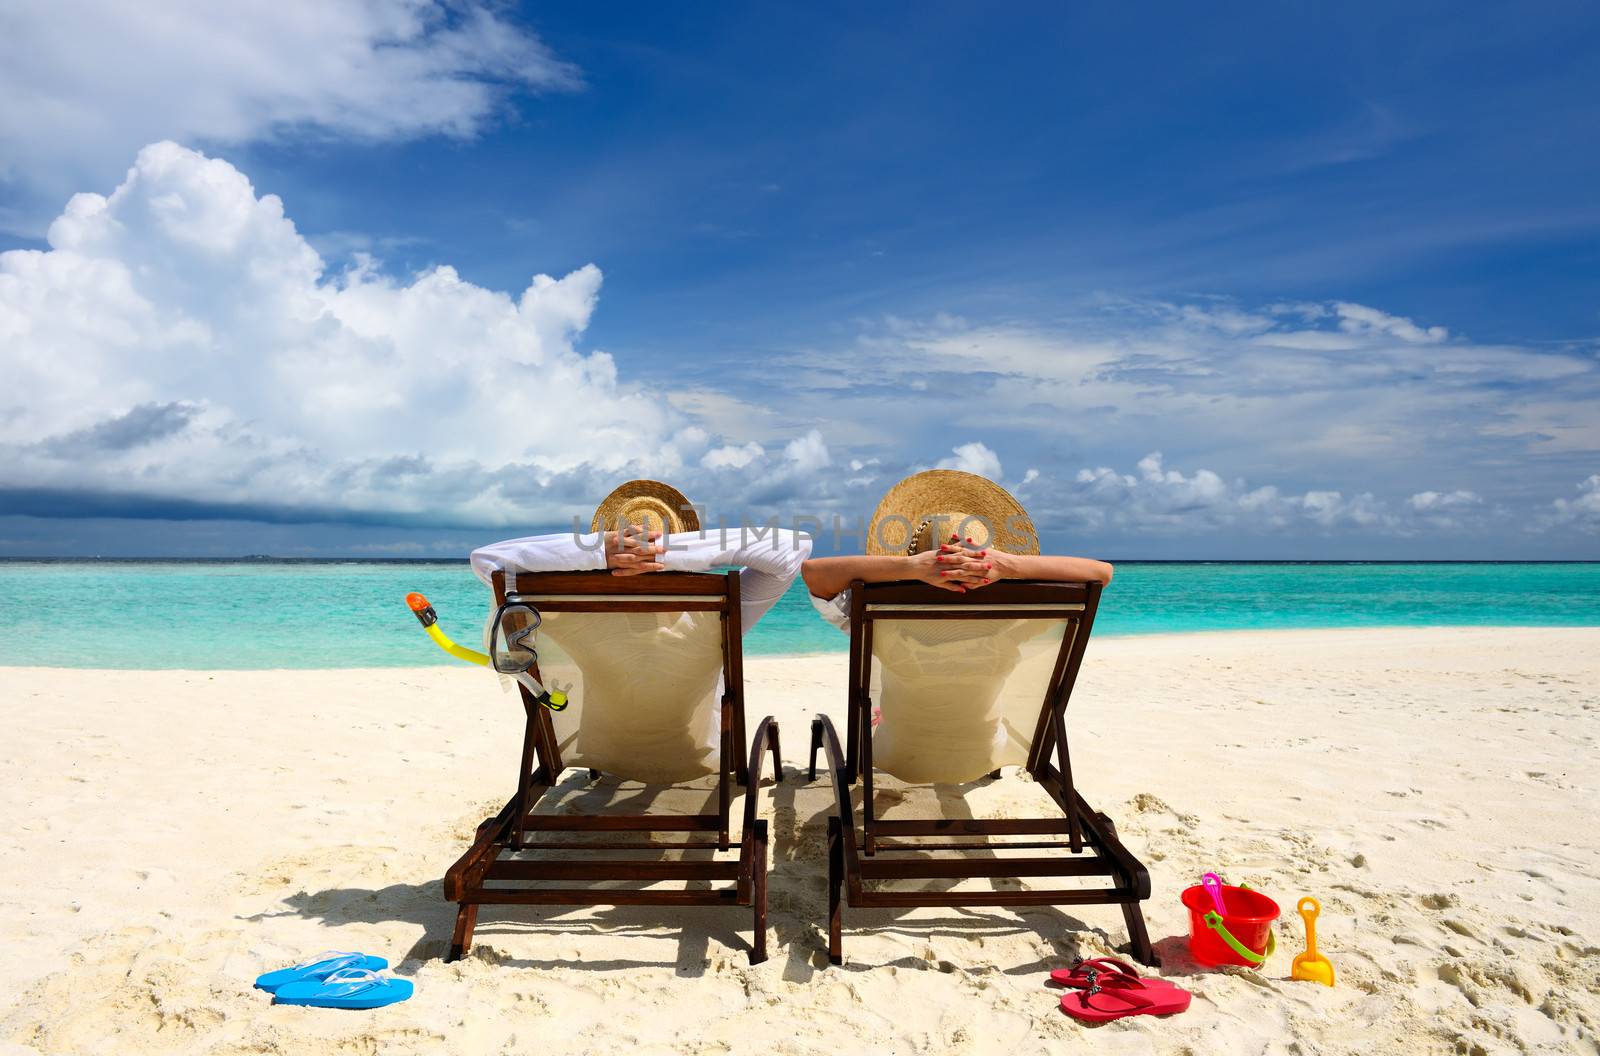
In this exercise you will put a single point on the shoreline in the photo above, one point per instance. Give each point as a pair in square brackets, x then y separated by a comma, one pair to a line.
[1098, 638]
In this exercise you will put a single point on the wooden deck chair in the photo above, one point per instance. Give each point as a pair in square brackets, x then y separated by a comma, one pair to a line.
[639, 657]
[967, 683]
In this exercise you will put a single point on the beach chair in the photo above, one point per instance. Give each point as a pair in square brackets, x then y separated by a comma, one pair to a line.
[639, 657]
[967, 683]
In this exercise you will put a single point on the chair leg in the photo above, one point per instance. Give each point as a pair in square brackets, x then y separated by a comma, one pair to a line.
[835, 891]
[594, 775]
[758, 946]
[1139, 938]
[461, 941]
[777, 759]
[816, 746]
[1133, 916]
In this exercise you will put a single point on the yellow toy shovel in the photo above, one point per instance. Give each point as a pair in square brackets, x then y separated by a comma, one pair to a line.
[1311, 966]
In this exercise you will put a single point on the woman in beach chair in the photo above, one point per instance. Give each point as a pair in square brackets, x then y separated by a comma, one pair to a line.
[965, 644]
[645, 642]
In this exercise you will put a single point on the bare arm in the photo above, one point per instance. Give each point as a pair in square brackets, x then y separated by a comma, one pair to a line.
[827, 577]
[950, 567]
[1045, 567]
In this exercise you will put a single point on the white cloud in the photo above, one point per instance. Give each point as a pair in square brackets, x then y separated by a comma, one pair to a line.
[974, 457]
[182, 341]
[1161, 499]
[1583, 510]
[84, 83]
[1359, 319]
[732, 456]
[808, 453]
[1314, 397]
[1429, 501]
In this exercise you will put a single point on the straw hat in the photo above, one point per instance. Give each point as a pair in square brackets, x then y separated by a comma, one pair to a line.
[948, 501]
[659, 507]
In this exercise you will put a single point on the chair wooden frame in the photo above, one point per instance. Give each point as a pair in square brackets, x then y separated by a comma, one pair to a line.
[878, 851]
[519, 826]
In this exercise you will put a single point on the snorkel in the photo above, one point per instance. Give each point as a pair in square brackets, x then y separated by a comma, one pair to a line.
[511, 654]
[430, 623]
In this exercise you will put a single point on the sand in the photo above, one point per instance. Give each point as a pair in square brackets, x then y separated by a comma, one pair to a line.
[168, 835]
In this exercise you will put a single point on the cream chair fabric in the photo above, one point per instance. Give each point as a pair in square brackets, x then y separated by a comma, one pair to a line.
[958, 698]
[645, 691]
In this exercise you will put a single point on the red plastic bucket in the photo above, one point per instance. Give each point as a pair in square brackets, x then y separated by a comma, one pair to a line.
[1247, 916]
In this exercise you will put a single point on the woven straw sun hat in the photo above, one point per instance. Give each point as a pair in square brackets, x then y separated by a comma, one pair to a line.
[925, 509]
[659, 507]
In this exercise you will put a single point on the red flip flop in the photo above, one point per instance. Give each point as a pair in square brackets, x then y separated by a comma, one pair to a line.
[1115, 995]
[1078, 975]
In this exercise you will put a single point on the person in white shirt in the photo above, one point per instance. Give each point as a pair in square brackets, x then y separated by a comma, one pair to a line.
[645, 688]
[659, 531]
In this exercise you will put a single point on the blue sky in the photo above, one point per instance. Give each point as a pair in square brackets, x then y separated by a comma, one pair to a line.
[1208, 282]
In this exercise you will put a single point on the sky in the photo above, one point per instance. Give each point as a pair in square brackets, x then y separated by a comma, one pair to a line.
[397, 278]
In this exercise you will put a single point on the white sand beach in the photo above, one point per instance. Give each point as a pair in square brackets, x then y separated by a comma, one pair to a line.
[169, 835]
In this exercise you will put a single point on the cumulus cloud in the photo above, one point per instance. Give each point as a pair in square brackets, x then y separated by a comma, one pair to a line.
[1583, 510]
[808, 453]
[181, 340]
[976, 458]
[731, 456]
[1163, 499]
[85, 83]
[1430, 501]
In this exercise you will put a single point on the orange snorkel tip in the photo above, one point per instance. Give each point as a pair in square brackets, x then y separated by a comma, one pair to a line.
[421, 609]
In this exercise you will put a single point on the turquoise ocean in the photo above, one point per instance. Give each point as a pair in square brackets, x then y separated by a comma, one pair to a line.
[312, 614]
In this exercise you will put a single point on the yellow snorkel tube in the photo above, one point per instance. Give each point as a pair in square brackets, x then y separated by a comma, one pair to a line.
[555, 700]
[430, 623]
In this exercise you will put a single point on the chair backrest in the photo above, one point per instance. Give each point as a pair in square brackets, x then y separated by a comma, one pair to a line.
[641, 658]
[964, 683]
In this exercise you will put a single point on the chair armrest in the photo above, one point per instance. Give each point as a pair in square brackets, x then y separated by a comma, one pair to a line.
[766, 731]
[841, 786]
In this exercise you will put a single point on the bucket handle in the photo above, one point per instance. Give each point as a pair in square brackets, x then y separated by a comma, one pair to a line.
[1213, 920]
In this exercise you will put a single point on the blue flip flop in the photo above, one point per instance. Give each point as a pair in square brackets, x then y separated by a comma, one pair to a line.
[347, 988]
[318, 968]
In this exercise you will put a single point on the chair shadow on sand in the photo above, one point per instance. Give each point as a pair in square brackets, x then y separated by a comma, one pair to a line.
[798, 889]
[424, 904]
[800, 854]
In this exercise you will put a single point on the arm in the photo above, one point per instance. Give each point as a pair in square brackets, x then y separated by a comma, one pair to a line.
[1046, 567]
[950, 567]
[769, 562]
[560, 552]
[827, 577]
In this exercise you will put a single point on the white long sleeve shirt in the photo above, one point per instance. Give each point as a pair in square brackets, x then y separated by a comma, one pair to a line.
[768, 563]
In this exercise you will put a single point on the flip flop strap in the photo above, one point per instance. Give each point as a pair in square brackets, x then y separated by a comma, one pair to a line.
[1126, 993]
[1089, 973]
[337, 958]
[348, 982]
[1107, 966]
